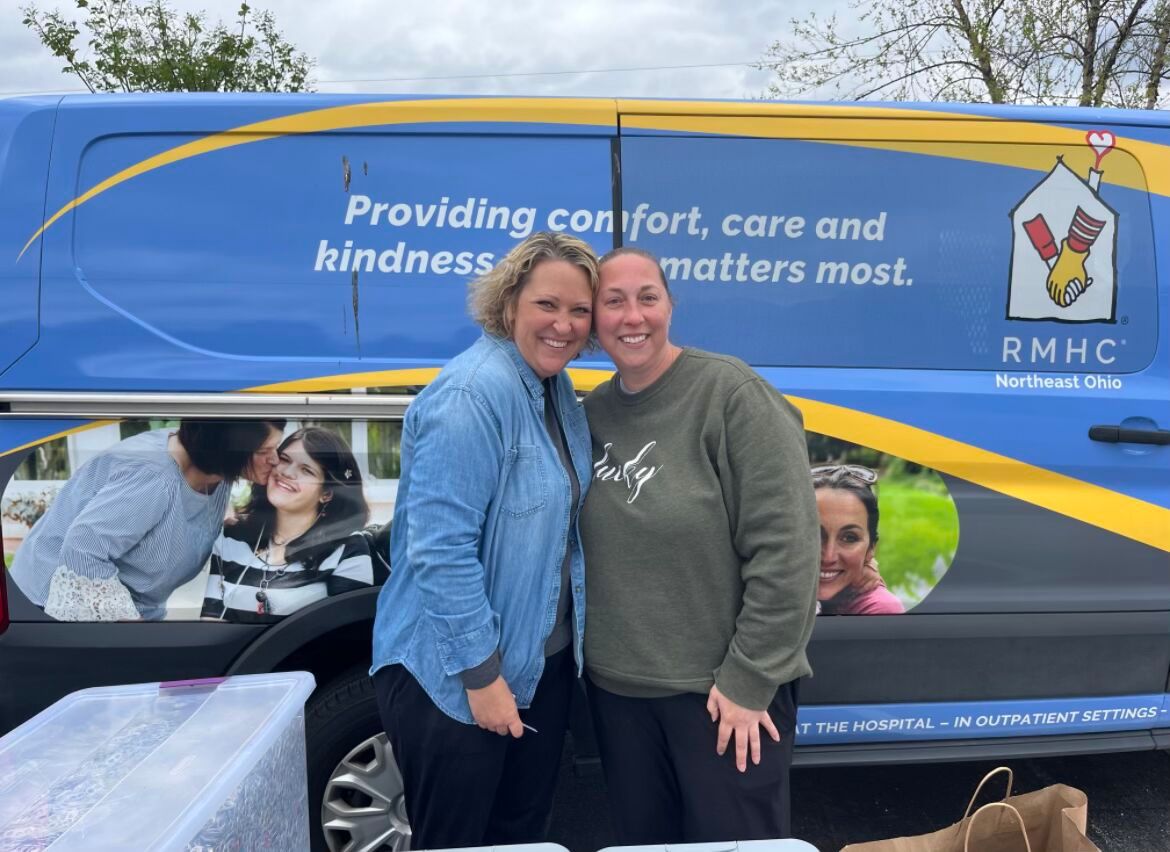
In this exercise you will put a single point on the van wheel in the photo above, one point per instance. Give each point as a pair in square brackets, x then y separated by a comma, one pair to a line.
[355, 789]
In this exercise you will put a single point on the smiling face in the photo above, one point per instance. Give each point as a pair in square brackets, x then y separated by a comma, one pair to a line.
[845, 543]
[264, 459]
[633, 317]
[553, 316]
[297, 484]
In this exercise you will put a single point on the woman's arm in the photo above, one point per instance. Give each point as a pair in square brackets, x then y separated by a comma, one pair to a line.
[116, 518]
[73, 597]
[86, 586]
[773, 517]
[455, 472]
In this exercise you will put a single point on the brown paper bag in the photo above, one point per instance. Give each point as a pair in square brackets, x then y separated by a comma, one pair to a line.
[1054, 819]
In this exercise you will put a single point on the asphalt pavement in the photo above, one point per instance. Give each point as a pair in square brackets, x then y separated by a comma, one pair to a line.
[1129, 800]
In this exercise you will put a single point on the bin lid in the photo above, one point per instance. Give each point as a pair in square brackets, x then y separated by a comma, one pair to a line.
[141, 766]
[780, 845]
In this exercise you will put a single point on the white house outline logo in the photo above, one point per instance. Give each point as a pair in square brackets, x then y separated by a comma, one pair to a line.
[1073, 279]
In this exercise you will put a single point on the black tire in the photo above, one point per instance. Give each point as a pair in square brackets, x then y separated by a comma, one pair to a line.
[339, 717]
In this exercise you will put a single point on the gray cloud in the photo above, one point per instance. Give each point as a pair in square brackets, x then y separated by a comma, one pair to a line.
[364, 40]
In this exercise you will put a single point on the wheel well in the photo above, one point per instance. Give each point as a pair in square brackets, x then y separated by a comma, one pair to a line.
[332, 653]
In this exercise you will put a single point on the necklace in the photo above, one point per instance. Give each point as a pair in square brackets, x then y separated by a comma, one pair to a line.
[279, 542]
[262, 605]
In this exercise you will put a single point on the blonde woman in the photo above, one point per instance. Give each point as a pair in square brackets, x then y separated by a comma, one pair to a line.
[478, 634]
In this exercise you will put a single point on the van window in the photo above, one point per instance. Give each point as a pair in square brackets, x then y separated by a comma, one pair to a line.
[790, 252]
[26, 138]
[324, 246]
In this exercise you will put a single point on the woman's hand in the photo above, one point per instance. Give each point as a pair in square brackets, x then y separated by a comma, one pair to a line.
[494, 708]
[741, 721]
[870, 578]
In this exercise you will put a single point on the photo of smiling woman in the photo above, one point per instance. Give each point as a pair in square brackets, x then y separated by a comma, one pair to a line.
[297, 540]
[848, 510]
[889, 528]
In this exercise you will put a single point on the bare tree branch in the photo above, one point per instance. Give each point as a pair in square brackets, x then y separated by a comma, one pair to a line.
[1091, 52]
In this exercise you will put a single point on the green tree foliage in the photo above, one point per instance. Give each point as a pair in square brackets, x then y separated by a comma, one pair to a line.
[1070, 52]
[149, 47]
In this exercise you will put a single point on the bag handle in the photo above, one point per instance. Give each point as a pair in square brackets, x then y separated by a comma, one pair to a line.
[1011, 777]
[989, 806]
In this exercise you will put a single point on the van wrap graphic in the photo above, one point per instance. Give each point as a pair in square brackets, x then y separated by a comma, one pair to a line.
[873, 723]
[788, 235]
[1107, 509]
[907, 327]
[902, 261]
[995, 139]
[362, 115]
[799, 122]
[1085, 257]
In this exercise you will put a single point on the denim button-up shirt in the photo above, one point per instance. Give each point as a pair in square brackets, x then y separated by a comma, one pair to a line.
[481, 524]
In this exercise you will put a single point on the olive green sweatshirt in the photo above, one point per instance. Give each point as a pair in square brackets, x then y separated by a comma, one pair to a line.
[701, 535]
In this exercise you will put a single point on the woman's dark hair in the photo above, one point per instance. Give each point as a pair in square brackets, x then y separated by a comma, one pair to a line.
[842, 480]
[622, 251]
[223, 447]
[346, 511]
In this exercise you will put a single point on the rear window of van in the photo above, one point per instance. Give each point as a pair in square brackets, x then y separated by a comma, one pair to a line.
[791, 252]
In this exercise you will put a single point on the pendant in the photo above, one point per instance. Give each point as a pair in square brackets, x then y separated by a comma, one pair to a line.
[261, 602]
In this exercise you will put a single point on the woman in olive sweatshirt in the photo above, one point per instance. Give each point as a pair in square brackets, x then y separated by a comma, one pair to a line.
[702, 541]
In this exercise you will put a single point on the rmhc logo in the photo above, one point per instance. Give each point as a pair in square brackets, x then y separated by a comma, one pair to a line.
[1075, 279]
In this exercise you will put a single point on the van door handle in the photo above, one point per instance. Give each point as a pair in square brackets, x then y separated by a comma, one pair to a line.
[1121, 435]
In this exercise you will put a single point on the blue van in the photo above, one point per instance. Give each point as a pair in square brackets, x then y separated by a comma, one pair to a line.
[966, 301]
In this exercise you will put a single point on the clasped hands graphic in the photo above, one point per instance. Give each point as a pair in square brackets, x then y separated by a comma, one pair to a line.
[1068, 276]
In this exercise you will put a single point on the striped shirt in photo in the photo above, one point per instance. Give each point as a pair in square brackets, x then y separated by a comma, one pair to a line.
[237, 574]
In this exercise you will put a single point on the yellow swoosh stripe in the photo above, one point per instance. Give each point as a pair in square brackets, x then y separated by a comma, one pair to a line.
[351, 116]
[349, 381]
[1133, 163]
[583, 380]
[93, 424]
[1084, 501]
[984, 139]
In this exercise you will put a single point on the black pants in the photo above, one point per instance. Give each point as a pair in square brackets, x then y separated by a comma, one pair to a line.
[465, 786]
[666, 783]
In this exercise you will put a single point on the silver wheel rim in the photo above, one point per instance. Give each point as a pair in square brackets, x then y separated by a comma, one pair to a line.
[363, 808]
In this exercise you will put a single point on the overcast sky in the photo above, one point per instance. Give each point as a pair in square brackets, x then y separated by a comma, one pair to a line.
[386, 41]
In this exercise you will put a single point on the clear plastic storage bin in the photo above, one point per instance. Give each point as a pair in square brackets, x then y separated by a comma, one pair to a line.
[196, 765]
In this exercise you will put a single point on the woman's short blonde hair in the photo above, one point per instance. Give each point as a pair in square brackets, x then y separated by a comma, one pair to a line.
[494, 294]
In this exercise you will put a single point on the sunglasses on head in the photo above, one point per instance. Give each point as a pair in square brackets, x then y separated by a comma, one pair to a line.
[856, 471]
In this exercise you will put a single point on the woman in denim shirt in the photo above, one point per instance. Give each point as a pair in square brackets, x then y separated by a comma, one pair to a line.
[478, 633]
